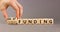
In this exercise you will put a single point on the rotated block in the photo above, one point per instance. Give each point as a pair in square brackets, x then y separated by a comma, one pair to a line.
[12, 21]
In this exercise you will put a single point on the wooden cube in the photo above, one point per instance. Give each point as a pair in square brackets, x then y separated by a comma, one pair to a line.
[12, 20]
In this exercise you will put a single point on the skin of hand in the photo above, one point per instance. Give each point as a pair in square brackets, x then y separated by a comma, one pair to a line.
[16, 6]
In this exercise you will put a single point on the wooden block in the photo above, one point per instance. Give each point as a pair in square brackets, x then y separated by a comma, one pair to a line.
[12, 20]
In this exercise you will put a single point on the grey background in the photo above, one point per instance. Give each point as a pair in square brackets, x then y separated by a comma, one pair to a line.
[34, 9]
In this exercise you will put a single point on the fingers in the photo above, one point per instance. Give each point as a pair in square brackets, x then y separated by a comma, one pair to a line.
[15, 7]
[5, 13]
[20, 8]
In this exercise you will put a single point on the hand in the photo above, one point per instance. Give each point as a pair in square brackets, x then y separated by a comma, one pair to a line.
[15, 5]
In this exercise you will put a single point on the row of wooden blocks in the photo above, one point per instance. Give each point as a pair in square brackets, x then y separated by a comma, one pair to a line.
[30, 21]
